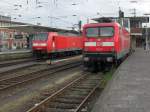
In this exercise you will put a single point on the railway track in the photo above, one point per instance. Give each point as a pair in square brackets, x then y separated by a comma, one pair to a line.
[71, 98]
[22, 71]
[15, 62]
[17, 80]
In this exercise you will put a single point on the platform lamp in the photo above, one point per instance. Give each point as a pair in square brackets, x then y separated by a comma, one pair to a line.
[146, 38]
[146, 33]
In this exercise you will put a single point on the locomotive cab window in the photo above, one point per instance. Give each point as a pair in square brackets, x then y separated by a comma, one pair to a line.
[40, 36]
[100, 32]
[92, 32]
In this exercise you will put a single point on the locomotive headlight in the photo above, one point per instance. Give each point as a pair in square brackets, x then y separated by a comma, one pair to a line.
[109, 59]
[86, 58]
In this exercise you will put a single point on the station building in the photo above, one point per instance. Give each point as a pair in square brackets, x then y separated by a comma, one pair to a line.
[137, 34]
[18, 35]
[11, 38]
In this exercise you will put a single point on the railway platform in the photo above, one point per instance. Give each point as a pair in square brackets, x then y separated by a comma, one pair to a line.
[14, 51]
[15, 54]
[129, 89]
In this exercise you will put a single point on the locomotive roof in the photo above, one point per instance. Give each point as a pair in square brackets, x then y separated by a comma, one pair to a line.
[101, 24]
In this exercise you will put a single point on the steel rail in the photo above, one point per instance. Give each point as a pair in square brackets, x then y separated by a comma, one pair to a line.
[40, 107]
[14, 81]
[86, 99]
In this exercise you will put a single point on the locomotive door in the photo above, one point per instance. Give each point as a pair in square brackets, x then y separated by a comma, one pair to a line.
[121, 39]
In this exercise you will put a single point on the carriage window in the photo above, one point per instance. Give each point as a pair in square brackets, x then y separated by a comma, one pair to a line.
[100, 32]
[40, 36]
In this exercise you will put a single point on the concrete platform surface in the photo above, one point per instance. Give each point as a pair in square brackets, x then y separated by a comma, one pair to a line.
[129, 90]
[15, 51]
[9, 68]
[15, 54]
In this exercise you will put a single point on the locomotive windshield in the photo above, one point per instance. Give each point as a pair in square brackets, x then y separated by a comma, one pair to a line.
[40, 36]
[100, 32]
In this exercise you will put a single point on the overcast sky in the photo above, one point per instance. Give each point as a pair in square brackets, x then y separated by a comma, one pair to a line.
[66, 13]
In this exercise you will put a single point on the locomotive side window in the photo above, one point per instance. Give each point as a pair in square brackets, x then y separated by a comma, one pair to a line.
[40, 36]
[100, 32]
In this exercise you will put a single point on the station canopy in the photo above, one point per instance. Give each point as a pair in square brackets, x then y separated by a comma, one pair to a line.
[36, 28]
[143, 19]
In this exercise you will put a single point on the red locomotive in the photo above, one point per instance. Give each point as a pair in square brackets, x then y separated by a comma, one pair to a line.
[104, 44]
[53, 44]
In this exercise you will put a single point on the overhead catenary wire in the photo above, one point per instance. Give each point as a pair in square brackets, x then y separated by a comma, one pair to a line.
[54, 8]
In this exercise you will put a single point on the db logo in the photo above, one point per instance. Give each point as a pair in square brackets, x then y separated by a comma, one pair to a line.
[99, 43]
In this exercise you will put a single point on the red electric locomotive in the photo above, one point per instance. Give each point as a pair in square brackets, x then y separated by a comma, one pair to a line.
[104, 44]
[53, 44]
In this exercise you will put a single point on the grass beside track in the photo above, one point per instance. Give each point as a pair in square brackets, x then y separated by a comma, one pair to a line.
[108, 75]
[106, 78]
